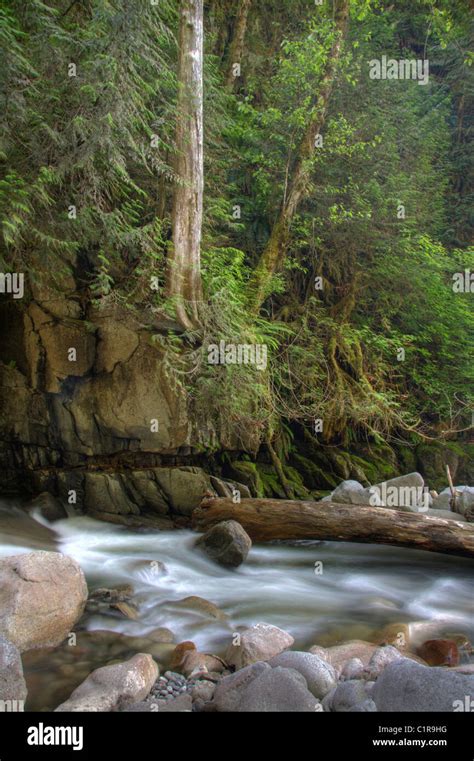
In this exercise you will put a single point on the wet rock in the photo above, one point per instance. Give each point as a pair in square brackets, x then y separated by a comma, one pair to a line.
[183, 487]
[229, 690]
[346, 696]
[279, 689]
[258, 643]
[464, 500]
[226, 488]
[260, 688]
[339, 655]
[50, 507]
[12, 681]
[408, 686]
[353, 669]
[42, 596]
[189, 661]
[203, 690]
[380, 659]
[112, 687]
[227, 543]
[161, 635]
[439, 652]
[202, 606]
[320, 676]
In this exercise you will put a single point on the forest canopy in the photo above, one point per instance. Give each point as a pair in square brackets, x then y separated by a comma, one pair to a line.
[337, 205]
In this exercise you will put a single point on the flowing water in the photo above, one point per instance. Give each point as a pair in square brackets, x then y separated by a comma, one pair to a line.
[321, 592]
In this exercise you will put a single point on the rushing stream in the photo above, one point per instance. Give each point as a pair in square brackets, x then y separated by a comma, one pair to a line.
[361, 588]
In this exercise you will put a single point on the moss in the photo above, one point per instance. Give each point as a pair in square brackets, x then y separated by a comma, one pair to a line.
[248, 474]
[314, 476]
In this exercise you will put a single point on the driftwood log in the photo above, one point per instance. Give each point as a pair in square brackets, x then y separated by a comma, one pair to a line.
[269, 519]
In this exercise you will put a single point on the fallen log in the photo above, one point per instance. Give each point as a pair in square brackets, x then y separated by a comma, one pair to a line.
[268, 519]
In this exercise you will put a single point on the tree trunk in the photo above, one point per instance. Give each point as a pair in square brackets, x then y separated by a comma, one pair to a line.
[268, 519]
[237, 44]
[273, 254]
[184, 265]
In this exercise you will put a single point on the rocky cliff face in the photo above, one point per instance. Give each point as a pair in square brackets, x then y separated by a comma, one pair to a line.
[84, 390]
[90, 410]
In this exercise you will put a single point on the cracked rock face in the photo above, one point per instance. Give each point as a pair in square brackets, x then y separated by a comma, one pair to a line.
[42, 596]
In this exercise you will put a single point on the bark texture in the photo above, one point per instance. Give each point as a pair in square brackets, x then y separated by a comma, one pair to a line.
[184, 265]
[265, 520]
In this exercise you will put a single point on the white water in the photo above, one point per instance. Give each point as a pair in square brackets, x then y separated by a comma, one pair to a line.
[362, 587]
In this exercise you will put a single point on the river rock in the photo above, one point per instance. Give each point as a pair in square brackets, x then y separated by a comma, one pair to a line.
[42, 596]
[49, 507]
[346, 696]
[339, 655]
[110, 688]
[229, 690]
[353, 669]
[320, 676]
[380, 659]
[227, 543]
[439, 652]
[189, 661]
[353, 493]
[259, 688]
[408, 686]
[226, 488]
[464, 500]
[203, 606]
[258, 643]
[12, 681]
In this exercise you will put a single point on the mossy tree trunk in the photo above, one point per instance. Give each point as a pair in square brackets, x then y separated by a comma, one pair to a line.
[237, 43]
[184, 266]
[273, 254]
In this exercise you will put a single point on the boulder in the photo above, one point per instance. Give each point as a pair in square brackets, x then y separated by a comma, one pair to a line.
[320, 676]
[408, 686]
[183, 487]
[278, 689]
[464, 501]
[258, 643]
[353, 669]
[227, 543]
[48, 506]
[12, 681]
[259, 688]
[110, 688]
[346, 696]
[187, 660]
[339, 655]
[229, 690]
[439, 652]
[380, 659]
[202, 606]
[42, 596]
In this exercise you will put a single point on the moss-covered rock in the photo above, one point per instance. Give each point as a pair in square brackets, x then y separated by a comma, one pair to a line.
[248, 474]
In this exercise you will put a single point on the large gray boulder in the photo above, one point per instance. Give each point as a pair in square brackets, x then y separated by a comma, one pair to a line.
[320, 676]
[401, 493]
[258, 643]
[229, 690]
[259, 689]
[464, 502]
[12, 682]
[346, 696]
[227, 543]
[406, 685]
[42, 596]
[111, 688]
